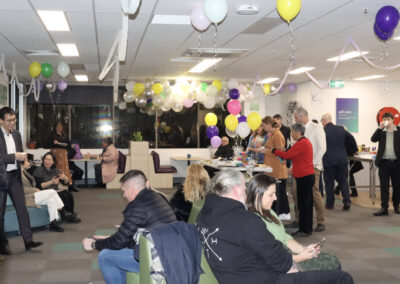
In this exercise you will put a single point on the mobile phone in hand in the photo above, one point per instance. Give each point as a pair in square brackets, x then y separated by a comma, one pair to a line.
[321, 242]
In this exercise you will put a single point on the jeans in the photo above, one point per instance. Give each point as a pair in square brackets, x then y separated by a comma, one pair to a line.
[115, 263]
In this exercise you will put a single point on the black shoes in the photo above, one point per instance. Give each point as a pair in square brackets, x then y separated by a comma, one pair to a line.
[329, 207]
[346, 207]
[354, 193]
[396, 210]
[5, 249]
[299, 234]
[292, 225]
[72, 188]
[320, 228]
[381, 212]
[33, 244]
[54, 227]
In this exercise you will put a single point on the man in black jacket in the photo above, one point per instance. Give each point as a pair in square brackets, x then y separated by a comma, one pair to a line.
[238, 246]
[388, 161]
[3, 187]
[225, 150]
[146, 208]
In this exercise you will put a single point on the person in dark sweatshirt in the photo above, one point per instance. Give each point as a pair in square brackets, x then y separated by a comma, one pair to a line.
[239, 248]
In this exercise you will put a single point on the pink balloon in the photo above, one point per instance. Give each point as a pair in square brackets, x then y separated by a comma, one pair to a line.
[216, 141]
[199, 19]
[188, 103]
[234, 107]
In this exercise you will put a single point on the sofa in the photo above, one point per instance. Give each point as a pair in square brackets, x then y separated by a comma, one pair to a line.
[39, 217]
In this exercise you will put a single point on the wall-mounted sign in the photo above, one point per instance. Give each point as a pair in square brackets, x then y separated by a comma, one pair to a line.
[336, 84]
[347, 113]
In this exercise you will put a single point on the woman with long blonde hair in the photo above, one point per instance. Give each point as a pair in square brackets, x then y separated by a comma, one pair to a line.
[193, 189]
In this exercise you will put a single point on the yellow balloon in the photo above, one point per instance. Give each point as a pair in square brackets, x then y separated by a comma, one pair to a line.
[138, 88]
[157, 88]
[288, 9]
[254, 120]
[35, 69]
[266, 89]
[231, 122]
[217, 84]
[167, 129]
[211, 119]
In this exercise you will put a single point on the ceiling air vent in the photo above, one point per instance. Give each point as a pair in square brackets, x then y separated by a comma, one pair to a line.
[211, 52]
[41, 52]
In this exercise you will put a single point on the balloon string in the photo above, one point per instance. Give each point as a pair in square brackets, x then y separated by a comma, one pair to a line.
[198, 44]
[292, 38]
[215, 46]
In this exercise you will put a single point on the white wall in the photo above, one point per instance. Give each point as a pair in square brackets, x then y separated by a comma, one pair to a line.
[269, 105]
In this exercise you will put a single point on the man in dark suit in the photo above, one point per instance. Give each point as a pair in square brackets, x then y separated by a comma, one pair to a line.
[3, 187]
[388, 161]
[12, 154]
[225, 150]
[335, 162]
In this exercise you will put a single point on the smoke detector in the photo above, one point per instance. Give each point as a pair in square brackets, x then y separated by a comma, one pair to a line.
[247, 10]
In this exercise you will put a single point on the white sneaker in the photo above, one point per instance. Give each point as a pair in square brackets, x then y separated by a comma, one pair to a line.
[285, 217]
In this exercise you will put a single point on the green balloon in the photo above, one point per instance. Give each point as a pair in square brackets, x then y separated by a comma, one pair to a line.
[47, 70]
[203, 87]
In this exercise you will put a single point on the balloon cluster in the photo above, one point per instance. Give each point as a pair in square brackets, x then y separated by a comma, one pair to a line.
[46, 69]
[212, 11]
[386, 21]
[183, 94]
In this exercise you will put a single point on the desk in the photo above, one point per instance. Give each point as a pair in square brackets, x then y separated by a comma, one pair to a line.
[183, 158]
[86, 166]
[372, 169]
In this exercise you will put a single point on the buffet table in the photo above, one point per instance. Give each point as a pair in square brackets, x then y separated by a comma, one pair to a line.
[223, 165]
[370, 159]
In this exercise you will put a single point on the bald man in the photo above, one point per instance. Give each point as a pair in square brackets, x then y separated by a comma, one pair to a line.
[335, 162]
[225, 150]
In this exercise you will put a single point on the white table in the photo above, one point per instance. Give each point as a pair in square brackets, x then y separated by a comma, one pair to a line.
[241, 169]
[368, 158]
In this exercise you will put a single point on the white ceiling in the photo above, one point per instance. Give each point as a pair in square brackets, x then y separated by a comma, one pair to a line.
[320, 30]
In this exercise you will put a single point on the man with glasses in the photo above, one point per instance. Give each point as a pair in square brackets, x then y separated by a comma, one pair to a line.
[12, 154]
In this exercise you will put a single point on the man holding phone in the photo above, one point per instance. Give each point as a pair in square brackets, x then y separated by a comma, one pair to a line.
[12, 154]
[388, 162]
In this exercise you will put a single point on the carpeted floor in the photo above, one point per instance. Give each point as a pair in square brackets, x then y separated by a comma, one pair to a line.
[368, 247]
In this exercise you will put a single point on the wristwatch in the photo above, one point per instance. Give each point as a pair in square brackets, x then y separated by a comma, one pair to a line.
[93, 245]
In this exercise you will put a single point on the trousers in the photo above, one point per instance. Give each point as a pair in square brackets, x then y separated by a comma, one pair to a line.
[50, 198]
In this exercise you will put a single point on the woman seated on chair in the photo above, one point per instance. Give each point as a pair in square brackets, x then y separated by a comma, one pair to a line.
[35, 197]
[106, 171]
[193, 189]
[260, 196]
[47, 176]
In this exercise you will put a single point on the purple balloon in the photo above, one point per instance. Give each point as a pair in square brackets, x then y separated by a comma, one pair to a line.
[387, 19]
[292, 88]
[216, 141]
[62, 85]
[212, 131]
[380, 34]
[242, 118]
[234, 94]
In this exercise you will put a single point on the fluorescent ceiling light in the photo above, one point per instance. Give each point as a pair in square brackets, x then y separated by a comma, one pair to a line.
[301, 70]
[81, 78]
[369, 77]
[171, 20]
[68, 49]
[397, 38]
[268, 80]
[54, 20]
[347, 56]
[204, 65]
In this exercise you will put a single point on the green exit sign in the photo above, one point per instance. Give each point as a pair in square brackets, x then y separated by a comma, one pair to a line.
[336, 84]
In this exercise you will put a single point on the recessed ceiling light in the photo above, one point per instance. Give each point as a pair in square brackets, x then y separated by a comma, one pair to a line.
[347, 56]
[81, 78]
[204, 65]
[301, 70]
[54, 20]
[369, 77]
[171, 20]
[68, 49]
[268, 80]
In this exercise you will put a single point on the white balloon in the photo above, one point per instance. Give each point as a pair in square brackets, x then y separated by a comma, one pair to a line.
[243, 129]
[225, 85]
[215, 10]
[220, 99]
[195, 84]
[177, 107]
[242, 89]
[158, 100]
[129, 97]
[209, 102]
[63, 69]
[122, 105]
[211, 90]
[230, 133]
[129, 85]
[201, 96]
[233, 84]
